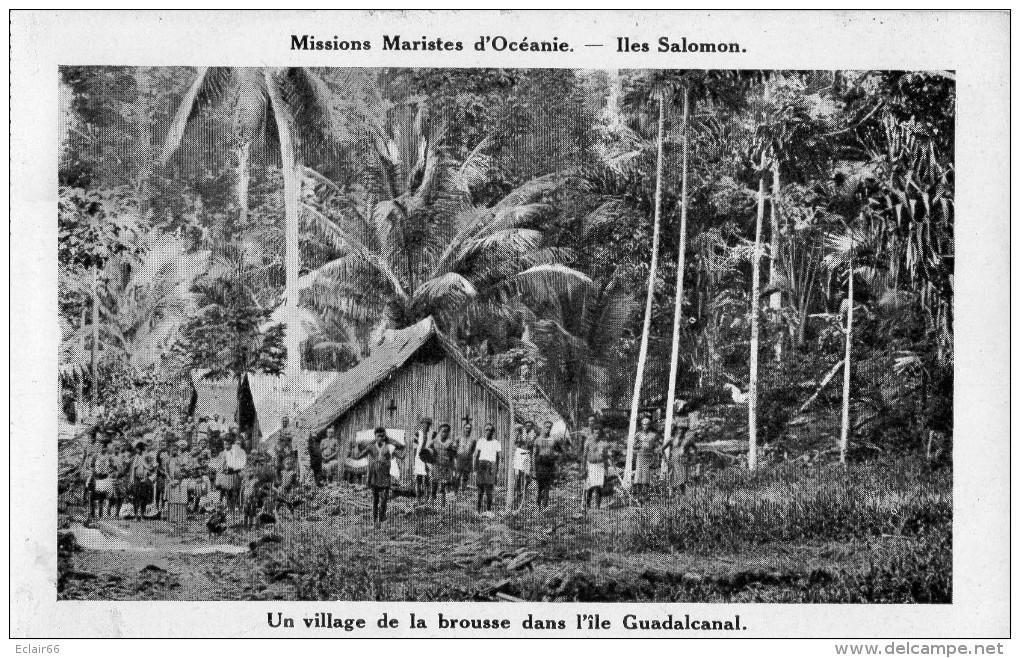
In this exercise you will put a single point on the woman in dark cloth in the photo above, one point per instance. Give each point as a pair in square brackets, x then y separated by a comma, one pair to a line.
[677, 452]
[441, 469]
[646, 446]
[380, 456]
[545, 451]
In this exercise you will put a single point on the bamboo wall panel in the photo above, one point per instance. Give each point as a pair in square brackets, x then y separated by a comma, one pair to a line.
[443, 390]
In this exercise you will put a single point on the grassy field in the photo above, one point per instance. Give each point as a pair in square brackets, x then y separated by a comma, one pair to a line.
[786, 533]
[872, 533]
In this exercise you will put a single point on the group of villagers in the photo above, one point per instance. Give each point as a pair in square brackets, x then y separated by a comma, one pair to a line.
[207, 464]
[210, 465]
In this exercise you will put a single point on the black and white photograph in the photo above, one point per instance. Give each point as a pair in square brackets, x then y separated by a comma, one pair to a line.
[474, 326]
[506, 334]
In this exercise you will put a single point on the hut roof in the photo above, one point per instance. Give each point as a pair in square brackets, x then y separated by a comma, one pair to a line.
[530, 401]
[273, 401]
[386, 358]
[214, 396]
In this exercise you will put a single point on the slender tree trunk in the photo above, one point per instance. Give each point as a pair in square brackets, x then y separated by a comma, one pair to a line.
[79, 400]
[292, 213]
[752, 391]
[674, 358]
[844, 434]
[94, 393]
[776, 298]
[511, 454]
[243, 180]
[643, 351]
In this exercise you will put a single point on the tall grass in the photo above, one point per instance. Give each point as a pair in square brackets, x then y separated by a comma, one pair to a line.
[785, 504]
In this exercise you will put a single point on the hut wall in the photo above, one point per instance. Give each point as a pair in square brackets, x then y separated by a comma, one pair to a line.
[439, 388]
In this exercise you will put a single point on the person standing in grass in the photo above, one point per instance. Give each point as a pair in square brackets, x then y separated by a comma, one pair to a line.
[228, 480]
[523, 443]
[421, 474]
[465, 455]
[486, 463]
[380, 457]
[545, 453]
[441, 470]
[141, 490]
[103, 470]
[176, 490]
[646, 447]
[596, 464]
[677, 454]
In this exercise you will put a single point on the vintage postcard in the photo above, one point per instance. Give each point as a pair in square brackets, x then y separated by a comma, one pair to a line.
[521, 324]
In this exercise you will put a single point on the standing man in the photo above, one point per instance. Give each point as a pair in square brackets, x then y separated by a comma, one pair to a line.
[421, 441]
[546, 451]
[380, 457]
[486, 462]
[103, 470]
[228, 479]
[646, 446]
[596, 464]
[465, 456]
[444, 449]
[523, 444]
[141, 490]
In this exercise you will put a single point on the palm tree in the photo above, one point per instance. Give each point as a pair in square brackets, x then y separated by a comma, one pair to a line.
[139, 308]
[847, 251]
[579, 334]
[294, 99]
[411, 241]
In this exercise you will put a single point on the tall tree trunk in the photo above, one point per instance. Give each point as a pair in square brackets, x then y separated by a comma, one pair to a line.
[674, 358]
[844, 433]
[776, 298]
[94, 393]
[145, 152]
[79, 376]
[643, 351]
[292, 214]
[775, 237]
[752, 391]
[243, 180]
